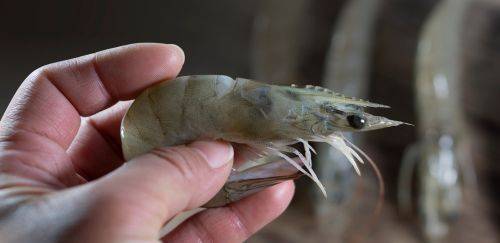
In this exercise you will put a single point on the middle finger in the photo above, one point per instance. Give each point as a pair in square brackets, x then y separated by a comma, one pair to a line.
[96, 149]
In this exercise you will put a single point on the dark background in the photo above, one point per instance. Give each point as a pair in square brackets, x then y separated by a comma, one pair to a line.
[215, 37]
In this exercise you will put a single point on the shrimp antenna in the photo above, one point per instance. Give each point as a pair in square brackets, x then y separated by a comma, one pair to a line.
[380, 179]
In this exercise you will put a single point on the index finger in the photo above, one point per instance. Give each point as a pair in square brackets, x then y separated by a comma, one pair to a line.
[52, 99]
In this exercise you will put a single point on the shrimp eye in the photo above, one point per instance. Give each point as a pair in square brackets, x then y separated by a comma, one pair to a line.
[356, 121]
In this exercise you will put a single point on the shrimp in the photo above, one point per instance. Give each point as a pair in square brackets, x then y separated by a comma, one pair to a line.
[267, 119]
[438, 156]
[347, 68]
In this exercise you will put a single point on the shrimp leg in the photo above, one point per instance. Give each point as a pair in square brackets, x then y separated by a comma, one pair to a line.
[247, 182]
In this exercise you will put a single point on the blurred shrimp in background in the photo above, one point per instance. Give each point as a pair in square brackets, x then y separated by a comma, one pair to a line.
[435, 62]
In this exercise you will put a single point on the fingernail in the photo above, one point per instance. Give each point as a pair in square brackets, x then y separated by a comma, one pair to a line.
[216, 153]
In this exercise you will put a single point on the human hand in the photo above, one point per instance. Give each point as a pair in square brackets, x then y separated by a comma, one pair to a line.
[62, 177]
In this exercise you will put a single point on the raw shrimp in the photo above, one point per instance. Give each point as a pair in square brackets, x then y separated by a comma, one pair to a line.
[347, 70]
[439, 154]
[265, 118]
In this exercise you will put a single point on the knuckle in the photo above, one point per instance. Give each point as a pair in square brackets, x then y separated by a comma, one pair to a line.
[38, 74]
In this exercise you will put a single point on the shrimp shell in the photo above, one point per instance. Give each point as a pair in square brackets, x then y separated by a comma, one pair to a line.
[266, 118]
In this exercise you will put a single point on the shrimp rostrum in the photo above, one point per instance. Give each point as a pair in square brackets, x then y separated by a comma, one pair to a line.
[266, 119]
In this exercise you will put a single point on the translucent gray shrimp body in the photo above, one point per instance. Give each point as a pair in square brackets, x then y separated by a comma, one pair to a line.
[438, 154]
[347, 70]
[266, 118]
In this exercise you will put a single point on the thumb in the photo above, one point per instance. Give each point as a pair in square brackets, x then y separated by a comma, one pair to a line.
[152, 188]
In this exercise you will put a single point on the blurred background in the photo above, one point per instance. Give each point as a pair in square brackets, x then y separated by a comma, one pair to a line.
[436, 63]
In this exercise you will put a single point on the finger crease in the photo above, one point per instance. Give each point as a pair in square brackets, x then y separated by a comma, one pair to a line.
[45, 75]
[187, 162]
[107, 137]
[202, 231]
[109, 93]
[40, 169]
[9, 138]
[53, 81]
[164, 156]
[239, 222]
